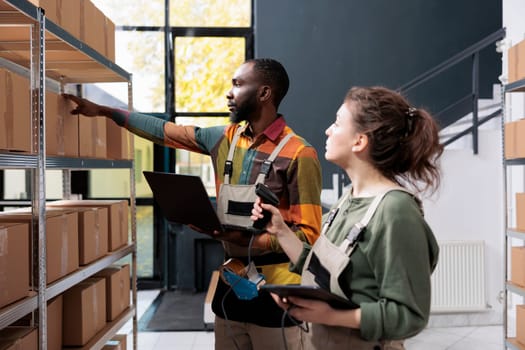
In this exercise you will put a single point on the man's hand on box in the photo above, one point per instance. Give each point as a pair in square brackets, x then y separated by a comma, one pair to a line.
[84, 107]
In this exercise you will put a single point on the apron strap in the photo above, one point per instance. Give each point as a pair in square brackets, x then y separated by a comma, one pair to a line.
[267, 164]
[351, 238]
[228, 165]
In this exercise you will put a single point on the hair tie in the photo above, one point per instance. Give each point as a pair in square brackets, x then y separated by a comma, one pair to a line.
[410, 113]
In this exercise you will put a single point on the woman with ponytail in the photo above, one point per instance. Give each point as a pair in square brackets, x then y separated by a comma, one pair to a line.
[375, 249]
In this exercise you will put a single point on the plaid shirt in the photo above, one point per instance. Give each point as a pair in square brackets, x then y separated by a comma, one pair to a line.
[295, 175]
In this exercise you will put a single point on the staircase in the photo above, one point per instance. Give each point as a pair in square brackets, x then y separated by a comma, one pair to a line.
[489, 111]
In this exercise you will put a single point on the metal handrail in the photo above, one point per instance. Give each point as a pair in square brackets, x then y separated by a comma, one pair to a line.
[454, 60]
[469, 129]
[472, 52]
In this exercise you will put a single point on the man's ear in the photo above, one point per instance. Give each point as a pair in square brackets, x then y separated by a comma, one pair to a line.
[360, 143]
[265, 93]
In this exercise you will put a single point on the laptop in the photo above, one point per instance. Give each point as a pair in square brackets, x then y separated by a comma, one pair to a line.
[183, 199]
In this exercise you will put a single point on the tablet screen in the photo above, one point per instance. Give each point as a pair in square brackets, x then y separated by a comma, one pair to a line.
[309, 292]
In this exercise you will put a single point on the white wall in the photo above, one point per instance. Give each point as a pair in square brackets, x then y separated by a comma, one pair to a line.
[513, 14]
[469, 205]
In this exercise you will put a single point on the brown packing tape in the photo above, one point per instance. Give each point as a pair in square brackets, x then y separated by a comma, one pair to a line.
[121, 221]
[4, 96]
[517, 64]
[3, 263]
[60, 133]
[3, 243]
[10, 110]
[97, 232]
[94, 133]
[64, 257]
[106, 43]
[82, 21]
[94, 305]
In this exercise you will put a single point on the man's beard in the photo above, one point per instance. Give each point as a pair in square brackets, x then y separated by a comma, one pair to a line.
[244, 111]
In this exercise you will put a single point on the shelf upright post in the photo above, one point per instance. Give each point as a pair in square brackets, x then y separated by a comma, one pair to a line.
[505, 215]
[66, 172]
[39, 197]
[133, 208]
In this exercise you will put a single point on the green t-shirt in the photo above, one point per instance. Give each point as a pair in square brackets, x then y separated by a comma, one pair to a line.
[389, 272]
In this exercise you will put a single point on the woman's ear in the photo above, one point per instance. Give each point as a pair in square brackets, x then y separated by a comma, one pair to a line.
[360, 143]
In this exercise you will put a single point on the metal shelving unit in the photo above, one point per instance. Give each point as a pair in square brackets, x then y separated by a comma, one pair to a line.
[72, 62]
[510, 233]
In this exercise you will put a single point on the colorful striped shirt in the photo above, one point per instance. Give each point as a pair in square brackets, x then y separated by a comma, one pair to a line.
[295, 177]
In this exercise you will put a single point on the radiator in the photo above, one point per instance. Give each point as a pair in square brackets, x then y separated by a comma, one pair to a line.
[458, 282]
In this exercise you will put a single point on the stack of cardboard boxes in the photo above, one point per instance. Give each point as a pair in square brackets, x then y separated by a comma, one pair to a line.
[515, 148]
[77, 234]
[66, 135]
[84, 21]
[516, 62]
[517, 267]
[515, 130]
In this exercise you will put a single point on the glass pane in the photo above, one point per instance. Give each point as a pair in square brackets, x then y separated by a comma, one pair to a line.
[15, 184]
[133, 12]
[144, 243]
[203, 71]
[142, 55]
[205, 13]
[194, 163]
[109, 183]
[54, 187]
[115, 182]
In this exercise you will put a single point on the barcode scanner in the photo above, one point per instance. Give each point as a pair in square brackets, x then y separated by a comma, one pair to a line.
[268, 197]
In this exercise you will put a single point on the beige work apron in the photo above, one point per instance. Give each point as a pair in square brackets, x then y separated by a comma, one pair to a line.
[235, 202]
[335, 259]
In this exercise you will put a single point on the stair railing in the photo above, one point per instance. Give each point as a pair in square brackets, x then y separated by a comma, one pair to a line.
[473, 52]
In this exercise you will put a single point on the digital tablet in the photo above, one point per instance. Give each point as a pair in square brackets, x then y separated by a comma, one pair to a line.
[309, 292]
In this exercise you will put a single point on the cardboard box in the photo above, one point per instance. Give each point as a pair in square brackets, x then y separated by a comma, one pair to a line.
[61, 240]
[520, 324]
[117, 289]
[510, 140]
[109, 35]
[92, 137]
[92, 28]
[54, 323]
[19, 338]
[112, 345]
[84, 311]
[15, 112]
[50, 8]
[122, 339]
[93, 234]
[14, 262]
[519, 139]
[118, 141]
[516, 62]
[517, 266]
[61, 127]
[69, 16]
[520, 211]
[92, 231]
[118, 218]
